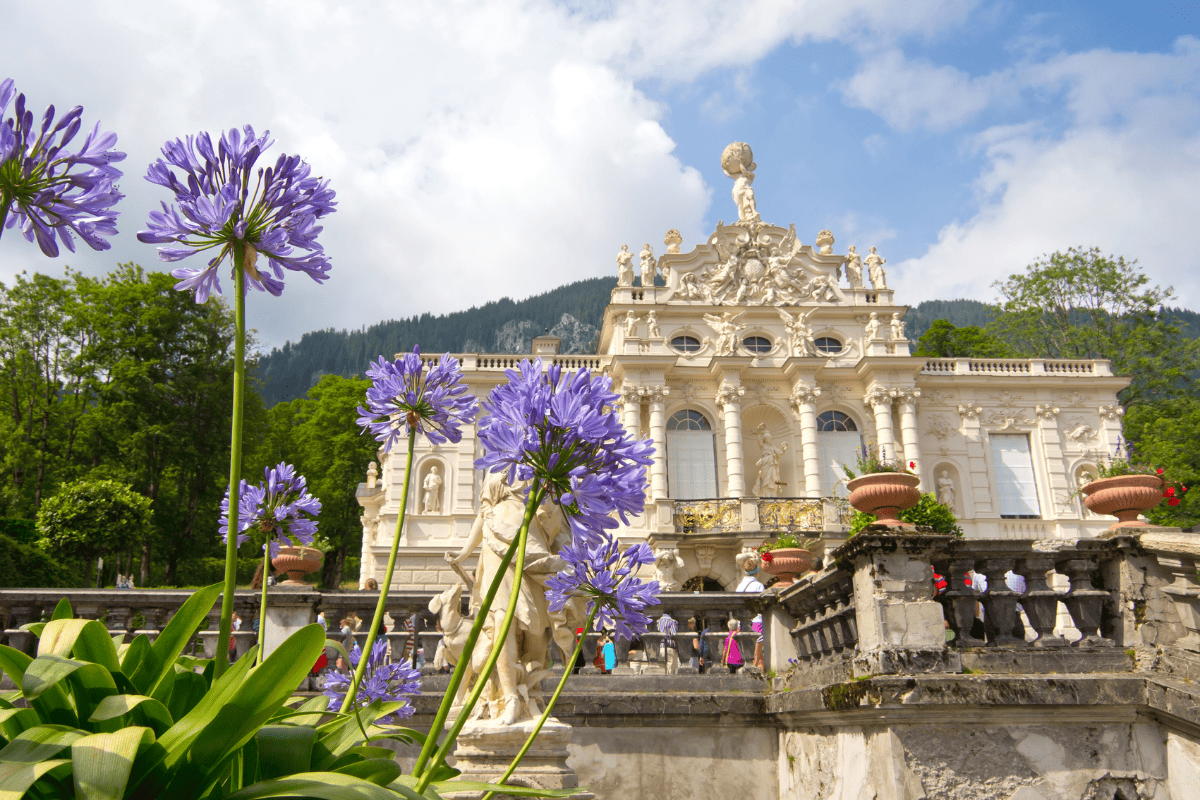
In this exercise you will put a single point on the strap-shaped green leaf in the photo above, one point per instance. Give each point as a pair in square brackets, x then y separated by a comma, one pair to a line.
[13, 721]
[338, 736]
[101, 763]
[133, 653]
[300, 715]
[89, 683]
[14, 663]
[381, 771]
[158, 663]
[36, 744]
[362, 753]
[141, 710]
[322, 786]
[189, 690]
[284, 750]
[86, 640]
[62, 610]
[16, 778]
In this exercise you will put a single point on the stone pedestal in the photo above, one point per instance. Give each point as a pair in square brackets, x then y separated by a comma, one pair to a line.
[289, 608]
[485, 749]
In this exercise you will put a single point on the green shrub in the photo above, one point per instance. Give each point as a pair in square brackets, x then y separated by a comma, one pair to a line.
[928, 511]
[25, 566]
[22, 530]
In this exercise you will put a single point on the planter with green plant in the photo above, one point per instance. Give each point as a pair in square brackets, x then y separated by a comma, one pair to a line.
[787, 557]
[882, 486]
[1126, 488]
[925, 513]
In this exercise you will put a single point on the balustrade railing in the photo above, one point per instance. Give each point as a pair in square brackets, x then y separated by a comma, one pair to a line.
[718, 514]
[1015, 366]
[771, 514]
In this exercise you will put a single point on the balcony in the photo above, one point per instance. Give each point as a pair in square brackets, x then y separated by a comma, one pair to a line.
[777, 514]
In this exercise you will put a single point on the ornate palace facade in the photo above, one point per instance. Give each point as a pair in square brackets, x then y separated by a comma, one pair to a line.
[757, 368]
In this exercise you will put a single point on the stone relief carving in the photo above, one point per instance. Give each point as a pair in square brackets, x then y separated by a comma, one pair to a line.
[939, 427]
[729, 394]
[672, 240]
[666, 561]
[804, 395]
[970, 411]
[945, 489]
[1047, 412]
[737, 160]
[1075, 399]
[656, 394]
[690, 288]
[1080, 432]
[879, 396]
[938, 397]
[800, 334]
[1005, 420]
[825, 242]
[762, 392]
[726, 328]
[704, 555]
[875, 264]
[1111, 412]
[688, 390]
[648, 271]
[431, 502]
[854, 268]
[871, 329]
[624, 267]
[652, 330]
[1008, 399]
[631, 321]
[768, 483]
[372, 475]
[897, 328]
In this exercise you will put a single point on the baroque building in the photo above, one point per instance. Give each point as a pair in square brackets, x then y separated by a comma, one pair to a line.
[758, 367]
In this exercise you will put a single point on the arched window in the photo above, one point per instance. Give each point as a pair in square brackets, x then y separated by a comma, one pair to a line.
[686, 344]
[827, 344]
[839, 441]
[757, 344]
[691, 456]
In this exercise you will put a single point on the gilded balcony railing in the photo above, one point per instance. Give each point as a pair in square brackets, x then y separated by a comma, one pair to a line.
[791, 514]
[720, 514]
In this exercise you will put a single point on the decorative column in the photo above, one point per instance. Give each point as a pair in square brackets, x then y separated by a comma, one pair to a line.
[885, 441]
[908, 427]
[1056, 466]
[631, 406]
[729, 398]
[804, 407]
[977, 482]
[657, 395]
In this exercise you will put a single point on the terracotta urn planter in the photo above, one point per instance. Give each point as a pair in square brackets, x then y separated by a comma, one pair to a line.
[297, 562]
[787, 564]
[885, 494]
[1125, 497]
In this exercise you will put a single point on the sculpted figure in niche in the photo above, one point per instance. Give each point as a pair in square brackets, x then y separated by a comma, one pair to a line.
[875, 264]
[854, 268]
[666, 561]
[631, 321]
[799, 332]
[872, 328]
[897, 327]
[768, 482]
[652, 330]
[945, 489]
[726, 327]
[648, 271]
[513, 693]
[432, 501]
[624, 267]
[738, 163]
[825, 242]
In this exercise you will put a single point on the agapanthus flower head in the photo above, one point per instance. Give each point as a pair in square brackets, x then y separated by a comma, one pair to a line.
[404, 397]
[280, 508]
[50, 193]
[393, 682]
[560, 431]
[223, 204]
[599, 571]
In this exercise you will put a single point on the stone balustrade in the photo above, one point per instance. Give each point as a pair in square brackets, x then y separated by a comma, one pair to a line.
[1017, 366]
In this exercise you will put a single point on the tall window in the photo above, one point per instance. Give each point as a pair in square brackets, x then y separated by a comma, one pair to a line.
[691, 456]
[1012, 466]
[839, 440]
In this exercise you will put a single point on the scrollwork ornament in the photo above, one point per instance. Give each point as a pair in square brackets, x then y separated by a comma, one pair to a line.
[1112, 412]
[1047, 412]
[804, 395]
[967, 411]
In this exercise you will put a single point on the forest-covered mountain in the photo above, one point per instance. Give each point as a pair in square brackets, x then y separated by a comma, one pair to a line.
[572, 312]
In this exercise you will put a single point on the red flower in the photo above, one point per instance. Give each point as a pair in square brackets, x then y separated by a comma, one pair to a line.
[1170, 492]
[912, 465]
[767, 558]
[1160, 470]
[1174, 501]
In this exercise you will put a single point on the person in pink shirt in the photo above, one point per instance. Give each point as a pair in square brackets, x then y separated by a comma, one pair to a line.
[731, 654]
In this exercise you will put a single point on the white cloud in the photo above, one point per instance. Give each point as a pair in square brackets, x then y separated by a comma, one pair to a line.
[1121, 177]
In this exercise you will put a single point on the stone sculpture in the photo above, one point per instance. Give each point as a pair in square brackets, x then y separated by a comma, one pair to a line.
[871, 331]
[854, 268]
[666, 561]
[513, 691]
[945, 489]
[652, 330]
[799, 332]
[726, 327]
[738, 162]
[432, 501]
[672, 240]
[897, 328]
[631, 321]
[648, 271]
[825, 242]
[689, 287]
[624, 267]
[768, 482]
[875, 264]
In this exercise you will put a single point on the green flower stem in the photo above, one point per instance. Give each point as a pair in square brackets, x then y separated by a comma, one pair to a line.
[377, 620]
[587, 628]
[235, 462]
[426, 777]
[262, 606]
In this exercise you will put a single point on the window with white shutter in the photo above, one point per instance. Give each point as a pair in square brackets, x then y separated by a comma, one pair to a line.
[1015, 485]
[691, 456]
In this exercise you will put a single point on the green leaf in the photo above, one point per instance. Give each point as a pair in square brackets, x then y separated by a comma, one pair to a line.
[341, 734]
[144, 711]
[361, 753]
[15, 779]
[30, 757]
[284, 750]
[381, 771]
[159, 662]
[62, 610]
[35, 628]
[13, 721]
[90, 683]
[300, 715]
[320, 785]
[101, 763]
[14, 663]
[188, 691]
[134, 653]
[86, 640]
[515, 791]
[338, 646]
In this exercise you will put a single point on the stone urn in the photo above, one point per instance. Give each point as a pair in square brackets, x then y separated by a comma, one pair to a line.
[885, 494]
[787, 564]
[1125, 497]
[297, 562]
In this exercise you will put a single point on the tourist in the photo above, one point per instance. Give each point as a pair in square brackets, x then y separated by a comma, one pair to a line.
[705, 654]
[693, 646]
[321, 620]
[608, 654]
[731, 654]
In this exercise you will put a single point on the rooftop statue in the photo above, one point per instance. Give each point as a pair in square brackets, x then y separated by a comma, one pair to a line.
[738, 162]
[624, 267]
[875, 264]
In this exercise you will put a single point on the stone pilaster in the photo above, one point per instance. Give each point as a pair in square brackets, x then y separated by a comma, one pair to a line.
[909, 436]
[729, 398]
[1056, 465]
[885, 440]
[804, 400]
[657, 395]
[977, 481]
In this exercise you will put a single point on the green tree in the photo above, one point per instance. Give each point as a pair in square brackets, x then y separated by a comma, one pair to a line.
[89, 519]
[1081, 304]
[943, 340]
[1167, 434]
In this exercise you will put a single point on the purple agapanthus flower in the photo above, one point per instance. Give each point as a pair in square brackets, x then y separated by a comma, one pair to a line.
[52, 194]
[404, 397]
[560, 431]
[393, 682]
[278, 508]
[600, 572]
[224, 204]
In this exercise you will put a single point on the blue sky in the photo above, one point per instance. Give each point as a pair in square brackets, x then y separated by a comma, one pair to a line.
[491, 147]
